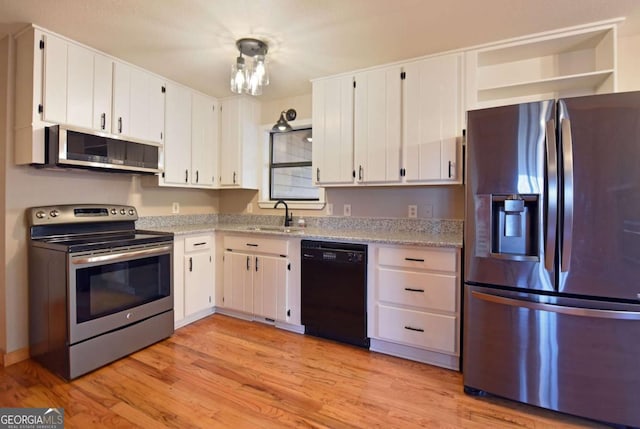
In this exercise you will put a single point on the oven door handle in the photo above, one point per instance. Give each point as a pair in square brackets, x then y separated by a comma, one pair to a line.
[115, 257]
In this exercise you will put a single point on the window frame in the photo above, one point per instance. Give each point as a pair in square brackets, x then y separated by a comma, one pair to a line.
[264, 201]
[273, 165]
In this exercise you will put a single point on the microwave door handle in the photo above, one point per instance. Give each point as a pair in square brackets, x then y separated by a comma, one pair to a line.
[567, 195]
[552, 194]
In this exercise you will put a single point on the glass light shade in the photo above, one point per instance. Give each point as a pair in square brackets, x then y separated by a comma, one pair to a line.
[260, 69]
[238, 76]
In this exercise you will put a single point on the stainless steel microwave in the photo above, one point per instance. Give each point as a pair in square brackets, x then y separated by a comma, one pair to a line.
[69, 147]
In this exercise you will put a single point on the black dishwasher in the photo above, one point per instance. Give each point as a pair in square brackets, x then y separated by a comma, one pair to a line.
[334, 291]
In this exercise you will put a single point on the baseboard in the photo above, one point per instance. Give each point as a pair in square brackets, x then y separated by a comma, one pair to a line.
[414, 353]
[10, 358]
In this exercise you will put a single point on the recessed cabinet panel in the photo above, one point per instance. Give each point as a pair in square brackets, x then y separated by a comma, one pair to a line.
[102, 90]
[378, 126]
[177, 147]
[80, 86]
[432, 119]
[204, 140]
[55, 80]
[333, 131]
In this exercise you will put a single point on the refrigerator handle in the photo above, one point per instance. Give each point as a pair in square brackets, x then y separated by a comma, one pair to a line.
[552, 194]
[560, 309]
[567, 194]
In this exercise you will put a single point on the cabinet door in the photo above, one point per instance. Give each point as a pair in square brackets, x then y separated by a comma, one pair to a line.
[198, 284]
[238, 281]
[102, 92]
[79, 86]
[230, 142]
[332, 157]
[270, 287]
[377, 135]
[54, 91]
[120, 119]
[147, 106]
[177, 146]
[204, 140]
[432, 119]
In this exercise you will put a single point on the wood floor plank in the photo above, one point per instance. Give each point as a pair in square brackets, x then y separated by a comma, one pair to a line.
[222, 372]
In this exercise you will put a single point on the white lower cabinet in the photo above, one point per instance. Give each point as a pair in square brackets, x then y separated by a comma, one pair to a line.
[415, 304]
[259, 279]
[194, 277]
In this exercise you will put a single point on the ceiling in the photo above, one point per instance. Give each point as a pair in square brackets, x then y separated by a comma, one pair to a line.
[193, 41]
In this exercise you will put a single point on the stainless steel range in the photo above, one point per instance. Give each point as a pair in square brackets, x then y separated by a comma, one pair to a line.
[98, 288]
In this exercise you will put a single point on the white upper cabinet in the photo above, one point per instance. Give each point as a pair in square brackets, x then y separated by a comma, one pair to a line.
[377, 128]
[332, 117]
[177, 146]
[239, 149]
[432, 112]
[102, 92]
[138, 104]
[54, 87]
[550, 65]
[204, 140]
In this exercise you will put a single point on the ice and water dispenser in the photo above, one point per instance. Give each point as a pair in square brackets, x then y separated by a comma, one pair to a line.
[515, 224]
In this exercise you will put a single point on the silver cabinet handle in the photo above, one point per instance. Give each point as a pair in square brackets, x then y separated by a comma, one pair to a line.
[190, 264]
[248, 258]
[115, 257]
[360, 172]
[186, 176]
[317, 174]
[103, 120]
[567, 197]
[256, 263]
[120, 124]
[234, 177]
[552, 194]
[560, 309]
[197, 176]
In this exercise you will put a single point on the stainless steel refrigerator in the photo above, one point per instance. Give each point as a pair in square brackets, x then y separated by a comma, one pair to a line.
[552, 255]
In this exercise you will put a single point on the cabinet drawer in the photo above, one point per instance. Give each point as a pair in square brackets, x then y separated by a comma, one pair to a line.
[257, 244]
[427, 259]
[199, 243]
[417, 328]
[419, 289]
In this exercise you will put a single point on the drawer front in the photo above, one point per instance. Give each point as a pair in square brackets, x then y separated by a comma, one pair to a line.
[198, 243]
[417, 328]
[426, 259]
[429, 291]
[257, 244]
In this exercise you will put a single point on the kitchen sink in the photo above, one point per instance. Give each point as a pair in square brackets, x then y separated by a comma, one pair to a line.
[287, 229]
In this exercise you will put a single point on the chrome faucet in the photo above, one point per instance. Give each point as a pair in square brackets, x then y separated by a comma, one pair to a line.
[288, 218]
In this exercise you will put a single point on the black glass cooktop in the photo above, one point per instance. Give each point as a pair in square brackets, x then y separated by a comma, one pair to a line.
[89, 242]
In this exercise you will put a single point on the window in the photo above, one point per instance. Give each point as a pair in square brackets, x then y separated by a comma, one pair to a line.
[290, 171]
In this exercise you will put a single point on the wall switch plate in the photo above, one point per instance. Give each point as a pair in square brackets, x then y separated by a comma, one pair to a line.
[175, 208]
[347, 209]
[427, 211]
[329, 209]
[413, 211]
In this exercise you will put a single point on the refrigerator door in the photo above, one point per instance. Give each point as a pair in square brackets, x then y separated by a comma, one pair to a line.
[510, 225]
[554, 353]
[600, 195]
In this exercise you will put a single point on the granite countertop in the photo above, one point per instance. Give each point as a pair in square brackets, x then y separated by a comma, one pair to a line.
[435, 233]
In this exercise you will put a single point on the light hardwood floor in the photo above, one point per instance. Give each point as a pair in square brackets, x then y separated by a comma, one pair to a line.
[224, 372]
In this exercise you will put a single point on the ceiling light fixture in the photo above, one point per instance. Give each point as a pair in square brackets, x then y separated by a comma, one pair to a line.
[283, 125]
[250, 78]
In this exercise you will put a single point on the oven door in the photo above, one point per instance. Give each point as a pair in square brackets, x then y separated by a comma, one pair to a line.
[118, 287]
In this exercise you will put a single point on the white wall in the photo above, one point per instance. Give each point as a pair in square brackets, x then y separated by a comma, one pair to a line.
[5, 120]
[629, 63]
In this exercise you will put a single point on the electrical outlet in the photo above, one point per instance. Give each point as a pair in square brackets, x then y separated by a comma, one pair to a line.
[347, 210]
[175, 208]
[249, 208]
[329, 209]
[427, 211]
[413, 211]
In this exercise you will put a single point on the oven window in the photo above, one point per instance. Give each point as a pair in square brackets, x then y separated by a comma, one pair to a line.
[105, 289]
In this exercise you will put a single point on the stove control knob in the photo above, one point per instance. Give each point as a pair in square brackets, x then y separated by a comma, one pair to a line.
[131, 212]
[41, 214]
[54, 213]
[123, 212]
[114, 212]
